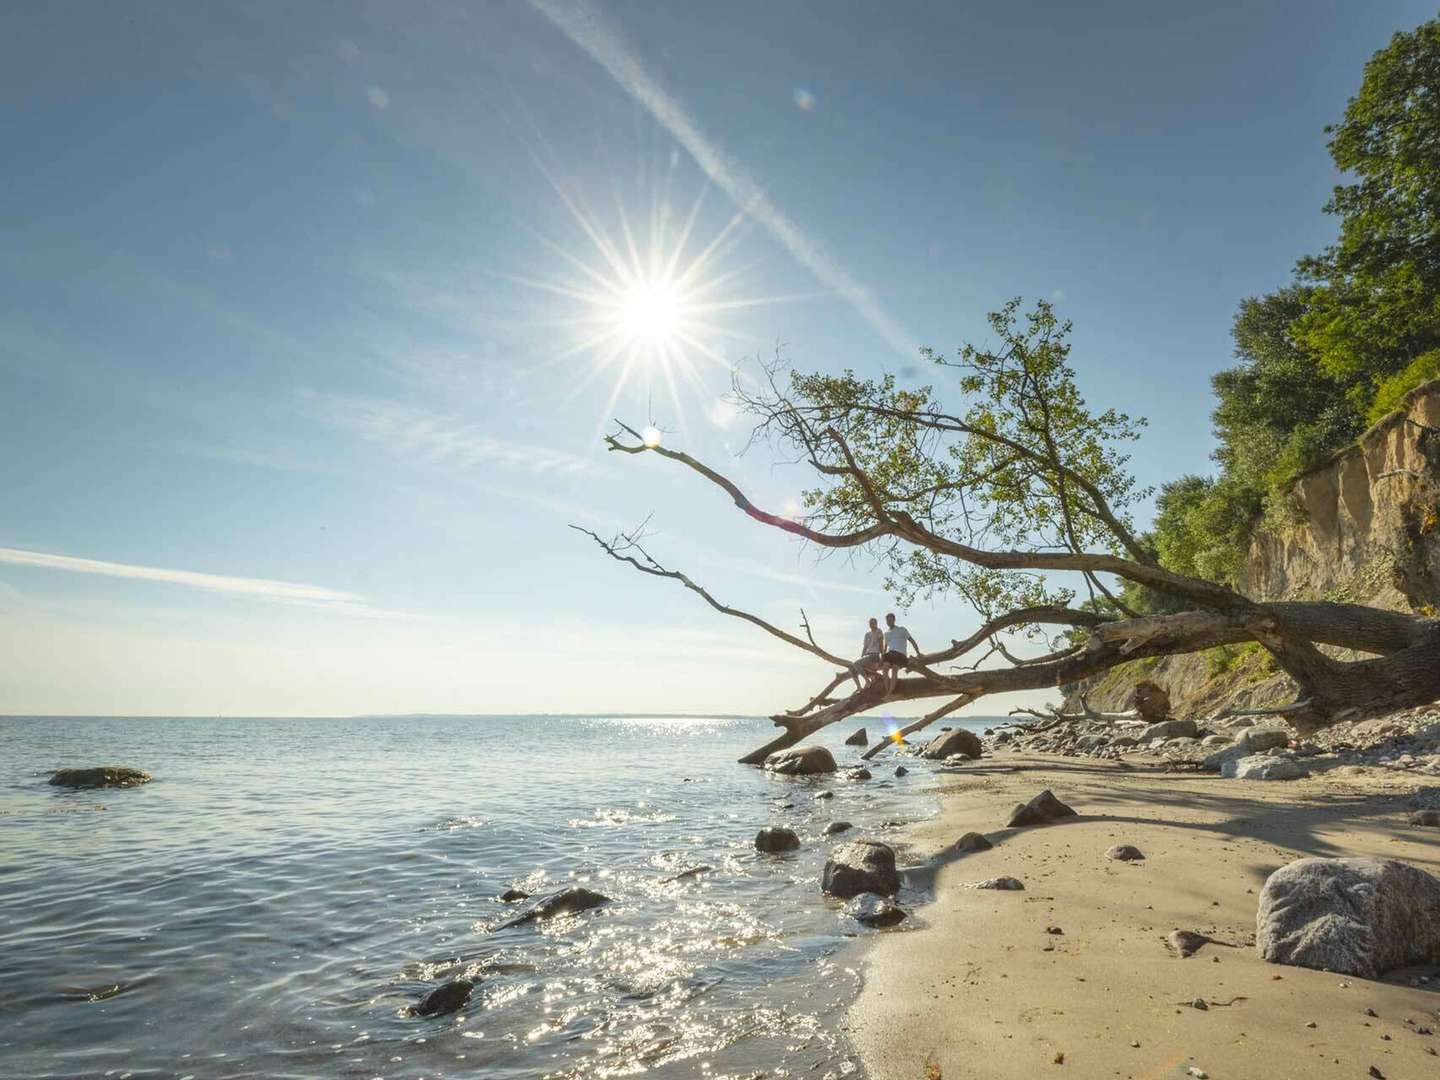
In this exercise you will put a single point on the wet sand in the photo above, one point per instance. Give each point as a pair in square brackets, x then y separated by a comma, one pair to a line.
[977, 987]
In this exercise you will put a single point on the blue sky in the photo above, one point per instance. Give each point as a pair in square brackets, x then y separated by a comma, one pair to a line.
[296, 400]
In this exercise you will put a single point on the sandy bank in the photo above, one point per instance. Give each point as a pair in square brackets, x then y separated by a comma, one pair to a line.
[980, 989]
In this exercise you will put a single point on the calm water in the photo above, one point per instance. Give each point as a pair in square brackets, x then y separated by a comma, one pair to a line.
[284, 889]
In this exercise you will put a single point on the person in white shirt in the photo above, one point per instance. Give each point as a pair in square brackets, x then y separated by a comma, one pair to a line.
[869, 663]
[896, 640]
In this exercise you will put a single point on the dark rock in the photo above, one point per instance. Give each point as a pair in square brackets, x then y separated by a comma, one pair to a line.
[444, 999]
[858, 867]
[100, 776]
[950, 743]
[836, 827]
[971, 841]
[1004, 884]
[1041, 810]
[1125, 853]
[776, 838]
[900, 770]
[1003, 737]
[801, 761]
[1186, 942]
[825, 795]
[861, 773]
[687, 875]
[1360, 917]
[569, 901]
[858, 739]
[511, 896]
[872, 910]
[1425, 817]
[1151, 700]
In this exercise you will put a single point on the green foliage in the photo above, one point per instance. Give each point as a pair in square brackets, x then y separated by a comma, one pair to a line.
[1324, 357]
[1392, 391]
[1023, 465]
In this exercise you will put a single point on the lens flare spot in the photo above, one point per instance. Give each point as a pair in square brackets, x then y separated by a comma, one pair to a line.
[651, 437]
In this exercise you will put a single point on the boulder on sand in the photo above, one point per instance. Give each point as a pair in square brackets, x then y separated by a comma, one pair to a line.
[1170, 729]
[949, 743]
[1360, 917]
[858, 867]
[1041, 810]
[1425, 817]
[569, 901]
[100, 776]
[872, 910]
[776, 838]
[1261, 767]
[858, 739]
[801, 761]
[445, 998]
[1004, 884]
[1253, 740]
[1125, 853]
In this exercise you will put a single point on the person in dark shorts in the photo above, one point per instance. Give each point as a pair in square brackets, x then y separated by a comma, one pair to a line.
[869, 663]
[897, 639]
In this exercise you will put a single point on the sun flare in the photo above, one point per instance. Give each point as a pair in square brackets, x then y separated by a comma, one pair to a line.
[652, 313]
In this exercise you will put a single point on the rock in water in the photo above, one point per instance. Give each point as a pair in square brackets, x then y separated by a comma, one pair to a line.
[1361, 917]
[1151, 700]
[801, 761]
[445, 998]
[776, 838]
[858, 867]
[950, 743]
[1261, 767]
[1041, 810]
[510, 896]
[900, 770]
[569, 901]
[971, 841]
[872, 910]
[689, 874]
[1004, 884]
[836, 827]
[858, 739]
[860, 773]
[1125, 853]
[100, 776]
[1170, 729]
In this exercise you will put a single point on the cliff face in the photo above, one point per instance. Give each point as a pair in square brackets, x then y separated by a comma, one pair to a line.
[1366, 530]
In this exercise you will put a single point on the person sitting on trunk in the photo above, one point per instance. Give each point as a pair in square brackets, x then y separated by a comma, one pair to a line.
[869, 663]
[896, 640]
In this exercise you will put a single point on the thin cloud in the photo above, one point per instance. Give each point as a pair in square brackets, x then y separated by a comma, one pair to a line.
[435, 439]
[585, 27]
[285, 591]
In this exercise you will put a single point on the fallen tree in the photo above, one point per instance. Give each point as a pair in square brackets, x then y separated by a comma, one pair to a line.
[1017, 503]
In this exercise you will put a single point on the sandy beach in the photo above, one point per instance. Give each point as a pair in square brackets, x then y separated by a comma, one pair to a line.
[978, 986]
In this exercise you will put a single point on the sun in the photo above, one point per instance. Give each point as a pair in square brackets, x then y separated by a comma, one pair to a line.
[651, 307]
[652, 313]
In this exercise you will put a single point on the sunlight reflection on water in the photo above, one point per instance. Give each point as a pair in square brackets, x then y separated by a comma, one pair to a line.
[281, 894]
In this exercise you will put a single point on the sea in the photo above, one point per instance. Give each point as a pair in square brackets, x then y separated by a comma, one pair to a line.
[282, 893]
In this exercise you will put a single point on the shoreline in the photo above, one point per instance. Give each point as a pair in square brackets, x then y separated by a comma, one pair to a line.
[977, 987]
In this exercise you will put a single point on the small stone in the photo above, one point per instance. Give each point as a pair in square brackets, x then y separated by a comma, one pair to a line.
[1198, 1073]
[860, 773]
[776, 838]
[824, 795]
[1376, 1073]
[860, 866]
[836, 827]
[1312, 1024]
[1186, 942]
[511, 896]
[971, 841]
[1004, 884]
[1053, 930]
[900, 770]
[1041, 810]
[1200, 1003]
[1125, 853]
[872, 910]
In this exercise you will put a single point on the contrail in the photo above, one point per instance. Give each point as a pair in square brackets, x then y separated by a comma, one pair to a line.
[587, 29]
